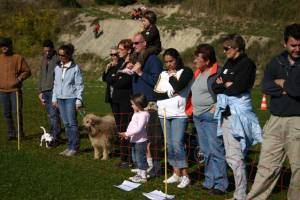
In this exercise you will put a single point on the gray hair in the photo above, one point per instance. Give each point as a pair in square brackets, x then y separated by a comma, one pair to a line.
[114, 47]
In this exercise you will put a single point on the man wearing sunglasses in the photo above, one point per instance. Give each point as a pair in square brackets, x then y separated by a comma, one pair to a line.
[14, 70]
[111, 69]
[46, 80]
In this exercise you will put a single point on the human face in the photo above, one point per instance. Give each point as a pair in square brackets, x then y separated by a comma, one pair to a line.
[114, 54]
[293, 48]
[146, 22]
[123, 53]
[64, 58]
[5, 49]
[230, 52]
[48, 51]
[170, 62]
[139, 43]
[135, 108]
[200, 63]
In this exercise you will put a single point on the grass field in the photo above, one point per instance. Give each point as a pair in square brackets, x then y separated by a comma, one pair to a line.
[34, 172]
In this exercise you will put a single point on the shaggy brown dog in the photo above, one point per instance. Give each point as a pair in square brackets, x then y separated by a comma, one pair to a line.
[102, 132]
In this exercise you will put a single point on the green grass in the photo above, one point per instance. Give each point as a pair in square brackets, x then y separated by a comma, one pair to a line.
[34, 172]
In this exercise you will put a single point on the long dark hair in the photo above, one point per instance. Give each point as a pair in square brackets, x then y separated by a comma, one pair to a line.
[174, 53]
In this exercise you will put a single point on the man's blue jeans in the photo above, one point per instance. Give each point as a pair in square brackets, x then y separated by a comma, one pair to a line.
[139, 151]
[53, 115]
[9, 105]
[67, 109]
[176, 130]
[213, 150]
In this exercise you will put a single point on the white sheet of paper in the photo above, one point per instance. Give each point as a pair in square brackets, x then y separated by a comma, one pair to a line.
[157, 195]
[127, 186]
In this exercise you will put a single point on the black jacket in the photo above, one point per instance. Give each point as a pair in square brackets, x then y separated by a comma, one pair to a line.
[240, 71]
[283, 105]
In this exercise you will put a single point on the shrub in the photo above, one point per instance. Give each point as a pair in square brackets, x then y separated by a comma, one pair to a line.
[117, 2]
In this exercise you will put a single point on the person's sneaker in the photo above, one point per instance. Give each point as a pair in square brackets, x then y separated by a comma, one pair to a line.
[173, 179]
[138, 179]
[217, 192]
[149, 169]
[71, 153]
[125, 166]
[133, 177]
[184, 182]
[119, 164]
[134, 170]
[201, 187]
[130, 71]
[64, 152]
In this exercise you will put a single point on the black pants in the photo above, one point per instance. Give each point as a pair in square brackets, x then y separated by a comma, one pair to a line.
[123, 114]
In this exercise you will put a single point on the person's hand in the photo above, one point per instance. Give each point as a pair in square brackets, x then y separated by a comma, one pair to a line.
[122, 134]
[212, 110]
[175, 93]
[78, 106]
[41, 96]
[219, 80]
[108, 66]
[138, 68]
[279, 82]
[55, 104]
[114, 62]
[227, 84]
[129, 66]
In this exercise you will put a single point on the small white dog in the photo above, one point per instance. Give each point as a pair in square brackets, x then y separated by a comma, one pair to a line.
[47, 137]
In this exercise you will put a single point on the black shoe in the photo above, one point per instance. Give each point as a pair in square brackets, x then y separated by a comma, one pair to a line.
[201, 187]
[119, 164]
[125, 166]
[10, 138]
[217, 192]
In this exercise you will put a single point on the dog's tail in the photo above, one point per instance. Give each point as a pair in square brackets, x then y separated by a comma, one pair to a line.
[43, 129]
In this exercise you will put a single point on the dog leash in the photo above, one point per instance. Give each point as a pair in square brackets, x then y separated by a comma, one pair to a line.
[83, 109]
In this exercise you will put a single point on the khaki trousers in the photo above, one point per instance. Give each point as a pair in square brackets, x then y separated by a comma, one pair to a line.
[281, 140]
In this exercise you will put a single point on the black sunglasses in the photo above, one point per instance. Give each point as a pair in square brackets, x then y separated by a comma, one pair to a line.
[227, 48]
[62, 55]
[113, 54]
[136, 43]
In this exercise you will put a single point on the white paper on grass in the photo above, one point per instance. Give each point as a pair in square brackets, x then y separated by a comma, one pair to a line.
[157, 195]
[127, 186]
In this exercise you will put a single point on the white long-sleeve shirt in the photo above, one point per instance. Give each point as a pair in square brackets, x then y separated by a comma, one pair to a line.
[137, 127]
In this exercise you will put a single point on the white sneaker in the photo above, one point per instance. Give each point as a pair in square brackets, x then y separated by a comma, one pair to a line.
[149, 168]
[71, 153]
[138, 179]
[134, 170]
[133, 177]
[185, 182]
[64, 152]
[173, 179]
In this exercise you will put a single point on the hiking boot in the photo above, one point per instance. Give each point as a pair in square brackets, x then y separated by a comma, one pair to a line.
[173, 179]
[217, 192]
[119, 164]
[185, 181]
[201, 187]
[71, 153]
[125, 166]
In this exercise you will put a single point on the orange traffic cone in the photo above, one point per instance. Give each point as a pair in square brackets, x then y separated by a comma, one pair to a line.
[264, 103]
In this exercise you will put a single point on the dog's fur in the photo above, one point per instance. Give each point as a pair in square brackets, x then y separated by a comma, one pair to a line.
[102, 131]
[47, 137]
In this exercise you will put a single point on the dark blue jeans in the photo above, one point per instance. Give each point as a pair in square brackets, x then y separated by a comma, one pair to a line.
[9, 106]
[53, 115]
[67, 109]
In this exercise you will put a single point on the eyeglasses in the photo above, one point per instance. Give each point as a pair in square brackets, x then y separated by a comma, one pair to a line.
[113, 54]
[62, 55]
[136, 43]
[3, 45]
[121, 49]
[226, 48]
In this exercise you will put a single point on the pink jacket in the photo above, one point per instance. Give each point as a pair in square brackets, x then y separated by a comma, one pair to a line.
[137, 127]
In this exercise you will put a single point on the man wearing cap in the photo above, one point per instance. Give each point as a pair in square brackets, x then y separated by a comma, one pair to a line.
[13, 71]
[46, 80]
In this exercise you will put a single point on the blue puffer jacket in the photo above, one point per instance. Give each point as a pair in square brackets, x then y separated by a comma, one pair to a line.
[245, 123]
[72, 85]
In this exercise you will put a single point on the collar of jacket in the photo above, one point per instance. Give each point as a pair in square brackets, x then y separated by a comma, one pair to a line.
[72, 63]
[240, 57]
[212, 72]
[282, 59]
[178, 68]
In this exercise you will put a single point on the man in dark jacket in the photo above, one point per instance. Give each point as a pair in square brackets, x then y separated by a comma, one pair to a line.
[282, 132]
[46, 80]
[14, 70]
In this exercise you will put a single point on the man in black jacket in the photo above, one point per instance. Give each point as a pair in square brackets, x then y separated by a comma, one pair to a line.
[46, 80]
[282, 132]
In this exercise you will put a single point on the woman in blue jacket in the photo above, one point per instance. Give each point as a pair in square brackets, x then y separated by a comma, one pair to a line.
[67, 95]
